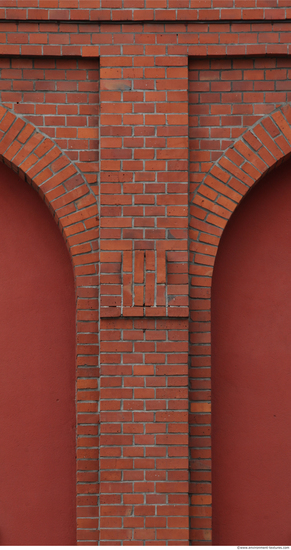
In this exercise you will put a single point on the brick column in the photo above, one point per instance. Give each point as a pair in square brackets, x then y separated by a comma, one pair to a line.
[144, 289]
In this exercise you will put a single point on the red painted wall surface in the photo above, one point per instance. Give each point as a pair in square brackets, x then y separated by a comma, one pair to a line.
[37, 372]
[251, 377]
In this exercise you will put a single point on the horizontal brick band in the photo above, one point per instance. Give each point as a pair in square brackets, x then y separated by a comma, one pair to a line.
[174, 10]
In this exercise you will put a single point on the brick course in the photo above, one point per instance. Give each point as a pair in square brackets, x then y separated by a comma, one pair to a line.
[180, 84]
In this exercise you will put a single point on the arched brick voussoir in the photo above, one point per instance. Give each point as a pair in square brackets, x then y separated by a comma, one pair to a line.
[40, 162]
[259, 150]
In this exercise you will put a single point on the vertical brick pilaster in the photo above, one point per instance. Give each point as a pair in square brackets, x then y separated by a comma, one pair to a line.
[144, 337]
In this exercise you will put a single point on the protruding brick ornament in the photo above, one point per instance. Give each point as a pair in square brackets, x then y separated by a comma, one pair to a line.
[144, 287]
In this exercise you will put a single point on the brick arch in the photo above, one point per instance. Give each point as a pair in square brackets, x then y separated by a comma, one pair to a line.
[42, 164]
[259, 150]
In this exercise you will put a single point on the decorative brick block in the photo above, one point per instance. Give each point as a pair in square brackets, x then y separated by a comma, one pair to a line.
[140, 285]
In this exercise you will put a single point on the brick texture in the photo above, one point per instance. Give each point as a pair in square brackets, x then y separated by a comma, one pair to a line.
[226, 97]
[194, 109]
[60, 97]
[146, 10]
[261, 148]
[42, 164]
[143, 245]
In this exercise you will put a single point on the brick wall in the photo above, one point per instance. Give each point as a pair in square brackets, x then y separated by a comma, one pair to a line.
[143, 243]
[61, 97]
[180, 82]
[226, 97]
